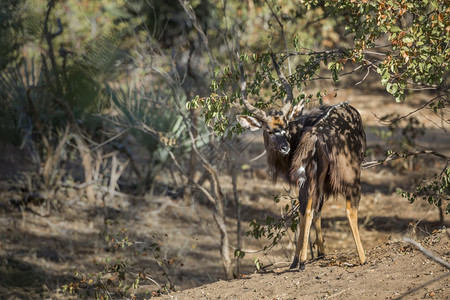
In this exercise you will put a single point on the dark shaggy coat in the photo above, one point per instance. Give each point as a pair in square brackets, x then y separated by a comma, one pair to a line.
[328, 146]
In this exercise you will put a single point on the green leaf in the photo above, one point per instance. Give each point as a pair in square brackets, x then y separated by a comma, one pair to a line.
[395, 29]
[408, 39]
[216, 71]
[258, 264]
[296, 43]
[239, 253]
[331, 65]
[392, 88]
[385, 76]
[400, 98]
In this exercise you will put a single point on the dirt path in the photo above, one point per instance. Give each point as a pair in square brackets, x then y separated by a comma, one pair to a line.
[393, 269]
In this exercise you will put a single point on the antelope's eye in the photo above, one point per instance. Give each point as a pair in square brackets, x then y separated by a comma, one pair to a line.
[279, 133]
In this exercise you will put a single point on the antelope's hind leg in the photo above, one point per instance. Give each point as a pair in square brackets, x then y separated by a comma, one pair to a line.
[317, 220]
[352, 215]
[304, 227]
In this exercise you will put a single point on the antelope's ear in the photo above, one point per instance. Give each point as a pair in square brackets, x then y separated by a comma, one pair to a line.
[296, 111]
[250, 123]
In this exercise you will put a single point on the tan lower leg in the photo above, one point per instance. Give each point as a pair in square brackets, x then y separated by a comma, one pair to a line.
[319, 236]
[307, 228]
[304, 227]
[352, 216]
[298, 246]
[300, 229]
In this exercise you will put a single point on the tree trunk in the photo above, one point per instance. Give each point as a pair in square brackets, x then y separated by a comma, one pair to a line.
[86, 162]
[219, 217]
[238, 215]
[187, 195]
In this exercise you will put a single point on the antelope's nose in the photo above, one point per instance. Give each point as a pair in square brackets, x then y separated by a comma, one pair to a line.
[285, 149]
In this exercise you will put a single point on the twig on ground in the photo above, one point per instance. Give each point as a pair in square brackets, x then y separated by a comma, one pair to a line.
[422, 286]
[427, 252]
[79, 186]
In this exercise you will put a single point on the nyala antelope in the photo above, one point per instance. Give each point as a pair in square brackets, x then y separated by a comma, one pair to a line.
[319, 150]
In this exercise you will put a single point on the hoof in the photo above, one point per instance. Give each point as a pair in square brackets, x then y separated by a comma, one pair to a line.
[320, 255]
[302, 266]
[294, 263]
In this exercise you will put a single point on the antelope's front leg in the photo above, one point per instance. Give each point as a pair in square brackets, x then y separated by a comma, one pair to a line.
[304, 228]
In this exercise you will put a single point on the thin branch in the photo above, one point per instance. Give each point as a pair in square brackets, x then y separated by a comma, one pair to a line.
[341, 75]
[312, 52]
[284, 81]
[425, 86]
[395, 156]
[191, 13]
[60, 29]
[373, 163]
[282, 33]
[410, 113]
[244, 96]
[402, 296]
[49, 39]
[81, 185]
[152, 280]
[258, 157]
[427, 252]
[105, 288]
[364, 78]
[109, 140]
[374, 53]
[433, 122]
[144, 127]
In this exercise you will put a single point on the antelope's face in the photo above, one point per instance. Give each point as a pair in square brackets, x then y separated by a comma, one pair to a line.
[275, 126]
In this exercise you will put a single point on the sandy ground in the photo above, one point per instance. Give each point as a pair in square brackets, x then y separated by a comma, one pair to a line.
[393, 270]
